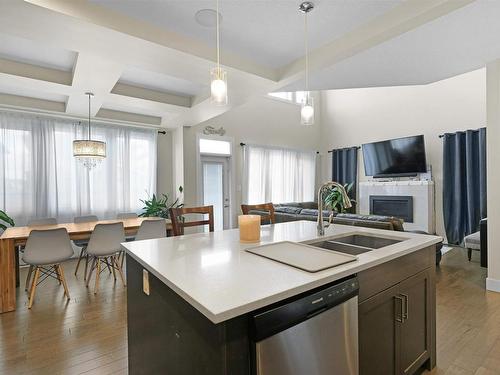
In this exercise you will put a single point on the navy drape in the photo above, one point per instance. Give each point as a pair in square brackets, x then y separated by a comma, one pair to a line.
[464, 183]
[345, 167]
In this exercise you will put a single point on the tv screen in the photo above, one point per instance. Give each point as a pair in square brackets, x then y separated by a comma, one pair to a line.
[395, 157]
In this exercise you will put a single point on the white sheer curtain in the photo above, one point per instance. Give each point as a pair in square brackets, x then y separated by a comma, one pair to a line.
[39, 177]
[278, 175]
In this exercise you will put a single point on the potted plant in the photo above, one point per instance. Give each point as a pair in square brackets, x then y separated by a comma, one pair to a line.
[159, 206]
[5, 220]
[333, 199]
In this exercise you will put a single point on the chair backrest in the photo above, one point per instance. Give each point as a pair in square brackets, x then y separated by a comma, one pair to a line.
[42, 221]
[85, 219]
[149, 229]
[48, 246]
[179, 225]
[126, 215]
[264, 219]
[106, 239]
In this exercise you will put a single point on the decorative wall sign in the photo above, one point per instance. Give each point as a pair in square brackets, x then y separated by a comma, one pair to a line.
[210, 130]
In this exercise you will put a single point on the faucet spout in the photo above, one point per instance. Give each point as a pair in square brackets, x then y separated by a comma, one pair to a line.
[346, 201]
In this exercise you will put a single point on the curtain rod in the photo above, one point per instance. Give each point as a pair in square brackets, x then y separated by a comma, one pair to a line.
[244, 144]
[345, 148]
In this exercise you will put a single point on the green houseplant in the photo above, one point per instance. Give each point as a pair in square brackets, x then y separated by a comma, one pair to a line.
[159, 206]
[333, 199]
[5, 220]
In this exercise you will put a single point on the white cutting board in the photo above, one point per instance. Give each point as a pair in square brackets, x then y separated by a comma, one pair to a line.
[301, 256]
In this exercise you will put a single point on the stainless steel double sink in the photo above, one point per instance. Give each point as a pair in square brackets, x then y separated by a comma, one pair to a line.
[355, 244]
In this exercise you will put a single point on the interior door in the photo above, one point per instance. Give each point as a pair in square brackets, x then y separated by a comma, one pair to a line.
[215, 188]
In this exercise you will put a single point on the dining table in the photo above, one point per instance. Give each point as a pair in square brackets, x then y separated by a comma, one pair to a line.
[14, 237]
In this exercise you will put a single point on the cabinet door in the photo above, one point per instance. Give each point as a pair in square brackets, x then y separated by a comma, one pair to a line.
[379, 333]
[415, 328]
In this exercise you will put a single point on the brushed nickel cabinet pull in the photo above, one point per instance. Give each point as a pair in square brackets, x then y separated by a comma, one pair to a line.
[399, 318]
[406, 312]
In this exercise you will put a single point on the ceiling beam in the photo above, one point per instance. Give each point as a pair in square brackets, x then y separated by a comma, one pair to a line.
[152, 95]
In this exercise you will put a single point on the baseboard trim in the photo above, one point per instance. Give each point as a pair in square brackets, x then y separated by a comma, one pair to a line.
[493, 285]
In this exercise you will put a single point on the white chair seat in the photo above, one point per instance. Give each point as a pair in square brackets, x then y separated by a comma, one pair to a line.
[473, 241]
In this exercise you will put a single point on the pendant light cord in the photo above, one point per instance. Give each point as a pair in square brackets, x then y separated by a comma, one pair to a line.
[218, 38]
[89, 117]
[307, 52]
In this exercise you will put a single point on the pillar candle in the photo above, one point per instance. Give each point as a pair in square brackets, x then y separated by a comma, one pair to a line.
[249, 228]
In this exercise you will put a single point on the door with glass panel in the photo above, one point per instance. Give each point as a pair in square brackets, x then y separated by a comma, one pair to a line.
[215, 188]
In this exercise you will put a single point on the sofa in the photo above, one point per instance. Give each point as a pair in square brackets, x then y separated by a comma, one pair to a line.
[294, 211]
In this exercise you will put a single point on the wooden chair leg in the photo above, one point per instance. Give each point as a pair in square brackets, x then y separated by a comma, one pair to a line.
[33, 287]
[86, 266]
[469, 254]
[118, 267]
[107, 264]
[56, 270]
[79, 260]
[123, 258]
[112, 266]
[63, 280]
[97, 275]
[90, 272]
[28, 278]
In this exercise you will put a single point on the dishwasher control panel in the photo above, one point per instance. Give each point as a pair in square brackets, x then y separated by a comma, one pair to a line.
[290, 313]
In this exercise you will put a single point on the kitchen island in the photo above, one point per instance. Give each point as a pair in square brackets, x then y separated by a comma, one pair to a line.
[190, 299]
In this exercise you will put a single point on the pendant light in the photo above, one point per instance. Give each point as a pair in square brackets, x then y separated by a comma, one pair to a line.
[89, 152]
[307, 105]
[218, 76]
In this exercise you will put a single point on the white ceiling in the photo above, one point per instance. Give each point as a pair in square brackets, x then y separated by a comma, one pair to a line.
[462, 41]
[269, 32]
[30, 52]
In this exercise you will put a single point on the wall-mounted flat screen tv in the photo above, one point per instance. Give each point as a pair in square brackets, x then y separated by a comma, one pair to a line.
[395, 157]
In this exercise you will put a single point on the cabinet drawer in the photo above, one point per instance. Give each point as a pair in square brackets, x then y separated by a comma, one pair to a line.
[386, 275]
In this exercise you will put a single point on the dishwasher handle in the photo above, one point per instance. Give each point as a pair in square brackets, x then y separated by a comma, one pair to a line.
[288, 314]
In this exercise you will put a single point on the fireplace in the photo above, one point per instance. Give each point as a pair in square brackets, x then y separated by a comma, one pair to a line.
[392, 205]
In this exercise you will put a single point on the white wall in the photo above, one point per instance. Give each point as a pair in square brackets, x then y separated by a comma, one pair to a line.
[493, 110]
[263, 121]
[164, 165]
[355, 116]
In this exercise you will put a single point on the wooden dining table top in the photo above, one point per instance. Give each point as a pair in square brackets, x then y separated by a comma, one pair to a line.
[20, 233]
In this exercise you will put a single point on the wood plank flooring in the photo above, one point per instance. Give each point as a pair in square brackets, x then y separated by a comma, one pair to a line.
[88, 335]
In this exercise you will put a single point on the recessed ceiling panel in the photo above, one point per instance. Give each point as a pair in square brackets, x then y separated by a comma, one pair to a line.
[160, 82]
[268, 32]
[12, 90]
[30, 52]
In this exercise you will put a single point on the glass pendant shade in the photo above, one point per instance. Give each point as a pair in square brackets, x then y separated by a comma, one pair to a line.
[307, 110]
[89, 152]
[218, 86]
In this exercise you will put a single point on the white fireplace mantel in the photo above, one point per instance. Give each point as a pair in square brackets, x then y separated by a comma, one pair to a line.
[423, 200]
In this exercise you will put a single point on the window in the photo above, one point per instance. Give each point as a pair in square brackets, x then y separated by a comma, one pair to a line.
[278, 175]
[295, 97]
[215, 147]
[39, 177]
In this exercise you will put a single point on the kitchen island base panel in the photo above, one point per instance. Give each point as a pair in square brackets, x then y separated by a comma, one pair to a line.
[166, 335]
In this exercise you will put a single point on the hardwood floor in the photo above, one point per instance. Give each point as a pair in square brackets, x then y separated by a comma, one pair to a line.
[87, 335]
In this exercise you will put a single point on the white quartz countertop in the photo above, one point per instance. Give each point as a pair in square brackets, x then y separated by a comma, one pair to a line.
[214, 273]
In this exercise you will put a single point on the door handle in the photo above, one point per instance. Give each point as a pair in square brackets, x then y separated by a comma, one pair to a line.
[399, 317]
[406, 312]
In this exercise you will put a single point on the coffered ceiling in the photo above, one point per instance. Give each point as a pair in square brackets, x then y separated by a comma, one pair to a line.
[148, 61]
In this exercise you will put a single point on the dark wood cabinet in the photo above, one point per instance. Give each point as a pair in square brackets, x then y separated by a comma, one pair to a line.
[397, 326]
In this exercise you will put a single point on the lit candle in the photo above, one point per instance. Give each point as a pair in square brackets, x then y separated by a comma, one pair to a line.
[249, 228]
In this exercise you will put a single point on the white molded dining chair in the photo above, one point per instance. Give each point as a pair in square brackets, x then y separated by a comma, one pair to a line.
[149, 229]
[45, 251]
[83, 243]
[104, 246]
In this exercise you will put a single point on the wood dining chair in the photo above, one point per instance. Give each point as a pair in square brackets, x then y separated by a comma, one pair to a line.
[179, 223]
[270, 218]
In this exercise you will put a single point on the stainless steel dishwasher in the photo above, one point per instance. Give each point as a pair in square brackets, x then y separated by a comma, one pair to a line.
[316, 334]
